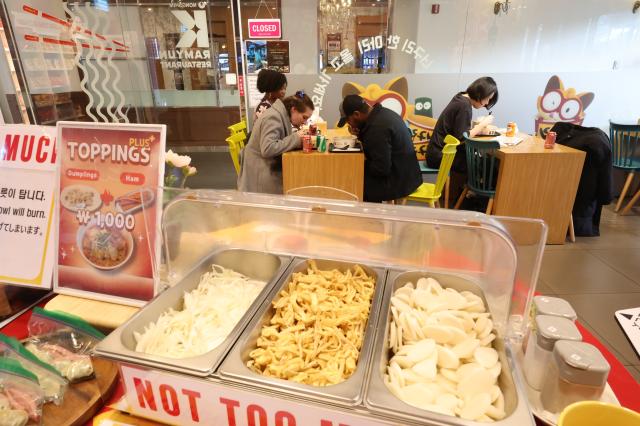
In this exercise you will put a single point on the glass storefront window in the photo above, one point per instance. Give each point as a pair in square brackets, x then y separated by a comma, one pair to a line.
[353, 36]
[171, 62]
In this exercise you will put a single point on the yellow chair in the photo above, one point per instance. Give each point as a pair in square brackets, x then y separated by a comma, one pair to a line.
[236, 143]
[429, 192]
[238, 127]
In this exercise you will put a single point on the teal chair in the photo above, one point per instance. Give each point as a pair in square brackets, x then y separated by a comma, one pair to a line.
[482, 166]
[625, 151]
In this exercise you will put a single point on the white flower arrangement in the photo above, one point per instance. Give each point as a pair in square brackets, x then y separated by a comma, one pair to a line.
[177, 169]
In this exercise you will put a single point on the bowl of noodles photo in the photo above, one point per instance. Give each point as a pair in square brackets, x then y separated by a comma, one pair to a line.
[104, 248]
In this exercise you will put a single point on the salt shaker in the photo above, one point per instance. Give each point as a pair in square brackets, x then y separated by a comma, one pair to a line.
[548, 330]
[578, 372]
[545, 305]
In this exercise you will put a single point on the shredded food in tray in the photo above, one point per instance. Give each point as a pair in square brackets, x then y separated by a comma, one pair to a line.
[209, 313]
[316, 333]
[442, 356]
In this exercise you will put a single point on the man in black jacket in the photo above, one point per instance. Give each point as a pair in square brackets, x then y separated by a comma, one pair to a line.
[391, 169]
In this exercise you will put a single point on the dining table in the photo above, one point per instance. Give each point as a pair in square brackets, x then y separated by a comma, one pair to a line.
[538, 182]
[318, 173]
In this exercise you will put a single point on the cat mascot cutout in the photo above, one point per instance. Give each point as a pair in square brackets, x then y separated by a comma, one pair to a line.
[560, 104]
[394, 96]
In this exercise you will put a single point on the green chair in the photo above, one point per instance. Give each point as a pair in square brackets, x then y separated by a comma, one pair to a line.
[236, 143]
[481, 169]
[429, 192]
[625, 152]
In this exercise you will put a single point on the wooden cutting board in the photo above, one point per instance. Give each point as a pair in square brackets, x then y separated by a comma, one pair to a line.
[101, 315]
[82, 400]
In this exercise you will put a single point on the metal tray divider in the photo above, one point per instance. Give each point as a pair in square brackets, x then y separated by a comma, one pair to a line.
[234, 369]
[112, 347]
[379, 400]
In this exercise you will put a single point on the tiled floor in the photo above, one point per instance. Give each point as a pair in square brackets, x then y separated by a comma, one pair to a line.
[598, 276]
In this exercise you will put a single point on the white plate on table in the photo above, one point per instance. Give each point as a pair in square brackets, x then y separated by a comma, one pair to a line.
[356, 148]
[509, 141]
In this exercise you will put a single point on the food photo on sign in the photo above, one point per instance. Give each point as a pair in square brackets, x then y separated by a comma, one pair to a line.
[109, 175]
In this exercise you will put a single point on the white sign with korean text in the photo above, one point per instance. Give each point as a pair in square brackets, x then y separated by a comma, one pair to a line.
[255, 97]
[27, 215]
[629, 320]
[183, 400]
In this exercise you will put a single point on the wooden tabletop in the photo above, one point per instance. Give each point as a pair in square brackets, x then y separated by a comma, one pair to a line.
[343, 171]
[535, 145]
[540, 183]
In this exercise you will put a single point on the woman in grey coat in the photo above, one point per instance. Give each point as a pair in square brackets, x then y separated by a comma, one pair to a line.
[271, 136]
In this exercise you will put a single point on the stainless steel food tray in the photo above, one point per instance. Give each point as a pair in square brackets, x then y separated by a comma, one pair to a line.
[379, 399]
[347, 393]
[120, 344]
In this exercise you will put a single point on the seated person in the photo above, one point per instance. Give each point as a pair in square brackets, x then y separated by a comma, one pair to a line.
[272, 135]
[391, 169]
[274, 86]
[456, 120]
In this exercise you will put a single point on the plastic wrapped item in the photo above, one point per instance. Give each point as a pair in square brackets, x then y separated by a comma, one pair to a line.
[51, 382]
[64, 341]
[548, 330]
[578, 373]
[20, 395]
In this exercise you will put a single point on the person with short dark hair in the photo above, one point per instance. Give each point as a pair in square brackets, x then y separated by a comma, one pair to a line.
[456, 120]
[274, 86]
[391, 169]
[272, 135]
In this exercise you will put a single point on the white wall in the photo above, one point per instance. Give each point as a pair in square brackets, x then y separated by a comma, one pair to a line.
[299, 26]
[577, 40]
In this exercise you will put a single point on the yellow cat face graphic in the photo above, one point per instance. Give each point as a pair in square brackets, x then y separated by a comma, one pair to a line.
[394, 96]
[560, 104]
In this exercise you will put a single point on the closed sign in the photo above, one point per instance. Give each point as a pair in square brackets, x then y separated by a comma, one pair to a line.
[265, 28]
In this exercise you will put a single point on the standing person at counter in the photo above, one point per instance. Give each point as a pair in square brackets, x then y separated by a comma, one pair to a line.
[391, 169]
[272, 135]
[274, 86]
[456, 120]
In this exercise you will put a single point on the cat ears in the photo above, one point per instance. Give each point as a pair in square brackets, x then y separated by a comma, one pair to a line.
[398, 85]
[351, 88]
[555, 83]
[586, 99]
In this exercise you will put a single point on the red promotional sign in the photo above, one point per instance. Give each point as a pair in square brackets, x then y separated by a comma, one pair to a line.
[265, 28]
[109, 180]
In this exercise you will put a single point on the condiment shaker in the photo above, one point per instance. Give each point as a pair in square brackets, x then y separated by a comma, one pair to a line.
[578, 372]
[545, 305]
[548, 330]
